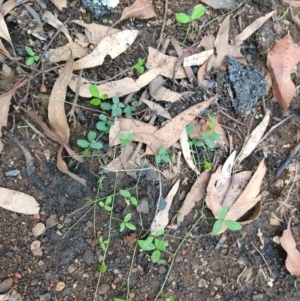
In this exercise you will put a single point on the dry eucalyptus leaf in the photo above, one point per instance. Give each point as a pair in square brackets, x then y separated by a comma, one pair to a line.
[196, 193]
[253, 139]
[220, 4]
[140, 9]
[282, 59]
[197, 59]
[10, 5]
[159, 110]
[293, 3]
[4, 109]
[96, 32]
[112, 45]
[287, 241]
[4, 33]
[18, 201]
[161, 220]
[60, 4]
[185, 146]
[128, 165]
[226, 169]
[249, 30]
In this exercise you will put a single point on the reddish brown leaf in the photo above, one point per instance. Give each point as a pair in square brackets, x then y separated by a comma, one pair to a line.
[140, 9]
[287, 241]
[282, 58]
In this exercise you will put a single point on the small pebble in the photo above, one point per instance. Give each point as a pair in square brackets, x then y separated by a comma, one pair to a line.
[41, 263]
[258, 297]
[178, 258]
[59, 286]
[38, 229]
[143, 206]
[202, 283]
[218, 281]
[45, 297]
[162, 270]
[72, 268]
[103, 289]
[12, 173]
[36, 248]
[5, 285]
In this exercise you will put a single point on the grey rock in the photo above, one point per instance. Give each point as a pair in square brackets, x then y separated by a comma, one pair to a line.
[202, 283]
[72, 268]
[88, 256]
[6, 285]
[95, 7]
[143, 206]
[9, 254]
[103, 289]
[45, 297]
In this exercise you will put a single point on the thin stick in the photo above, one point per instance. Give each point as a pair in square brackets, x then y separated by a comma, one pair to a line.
[163, 26]
[228, 116]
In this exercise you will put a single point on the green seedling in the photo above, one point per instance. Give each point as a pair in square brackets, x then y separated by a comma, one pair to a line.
[126, 223]
[103, 243]
[170, 299]
[118, 108]
[230, 224]
[97, 96]
[102, 268]
[152, 243]
[207, 165]
[107, 204]
[125, 139]
[139, 66]
[33, 57]
[258, 116]
[127, 195]
[183, 18]
[90, 142]
[162, 156]
[104, 124]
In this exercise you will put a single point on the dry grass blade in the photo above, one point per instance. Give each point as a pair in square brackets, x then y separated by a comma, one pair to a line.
[161, 220]
[253, 139]
[140, 9]
[112, 45]
[287, 241]
[196, 193]
[282, 59]
[17, 201]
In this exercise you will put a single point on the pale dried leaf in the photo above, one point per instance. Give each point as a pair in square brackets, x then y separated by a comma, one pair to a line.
[293, 3]
[15, 296]
[60, 4]
[221, 45]
[198, 58]
[140, 9]
[159, 110]
[207, 42]
[17, 201]
[154, 59]
[226, 169]
[184, 141]
[200, 75]
[249, 30]
[4, 33]
[160, 93]
[128, 165]
[282, 59]
[53, 21]
[5, 297]
[196, 193]
[10, 5]
[118, 88]
[4, 109]
[161, 220]
[56, 107]
[292, 261]
[170, 132]
[112, 45]
[62, 166]
[62, 53]
[97, 32]
[253, 139]
[220, 4]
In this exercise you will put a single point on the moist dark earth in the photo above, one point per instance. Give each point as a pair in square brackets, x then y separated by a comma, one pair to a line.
[244, 265]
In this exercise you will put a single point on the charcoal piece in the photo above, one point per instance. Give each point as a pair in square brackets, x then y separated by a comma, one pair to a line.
[96, 8]
[248, 84]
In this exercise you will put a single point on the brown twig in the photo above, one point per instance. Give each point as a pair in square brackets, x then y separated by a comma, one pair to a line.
[228, 116]
[163, 25]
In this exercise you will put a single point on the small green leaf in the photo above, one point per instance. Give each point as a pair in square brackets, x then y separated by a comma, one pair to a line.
[223, 212]
[127, 218]
[162, 151]
[142, 69]
[133, 201]
[30, 61]
[137, 66]
[207, 165]
[170, 299]
[217, 227]
[105, 106]
[166, 158]
[130, 226]
[118, 299]
[36, 58]
[95, 102]
[157, 159]
[29, 51]
[147, 244]
[233, 225]
[141, 61]
[108, 200]
[115, 99]
[161, 261]
[190, 129]
[96, 145]
[160, 244]
[124, 143]
[198, 12]
[102, 268]
[125, 193]
[101, 126]
[122, 136]
[183, 18]
[159, 232]
[103, 117]
[155, 256]
[92, 136]
[107, 208]
[130, 136]
[94, 91]
[104, 96]
[83, 143]
[101, 204]
[122, 227]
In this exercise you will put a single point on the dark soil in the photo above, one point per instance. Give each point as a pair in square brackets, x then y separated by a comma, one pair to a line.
[241, 267]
